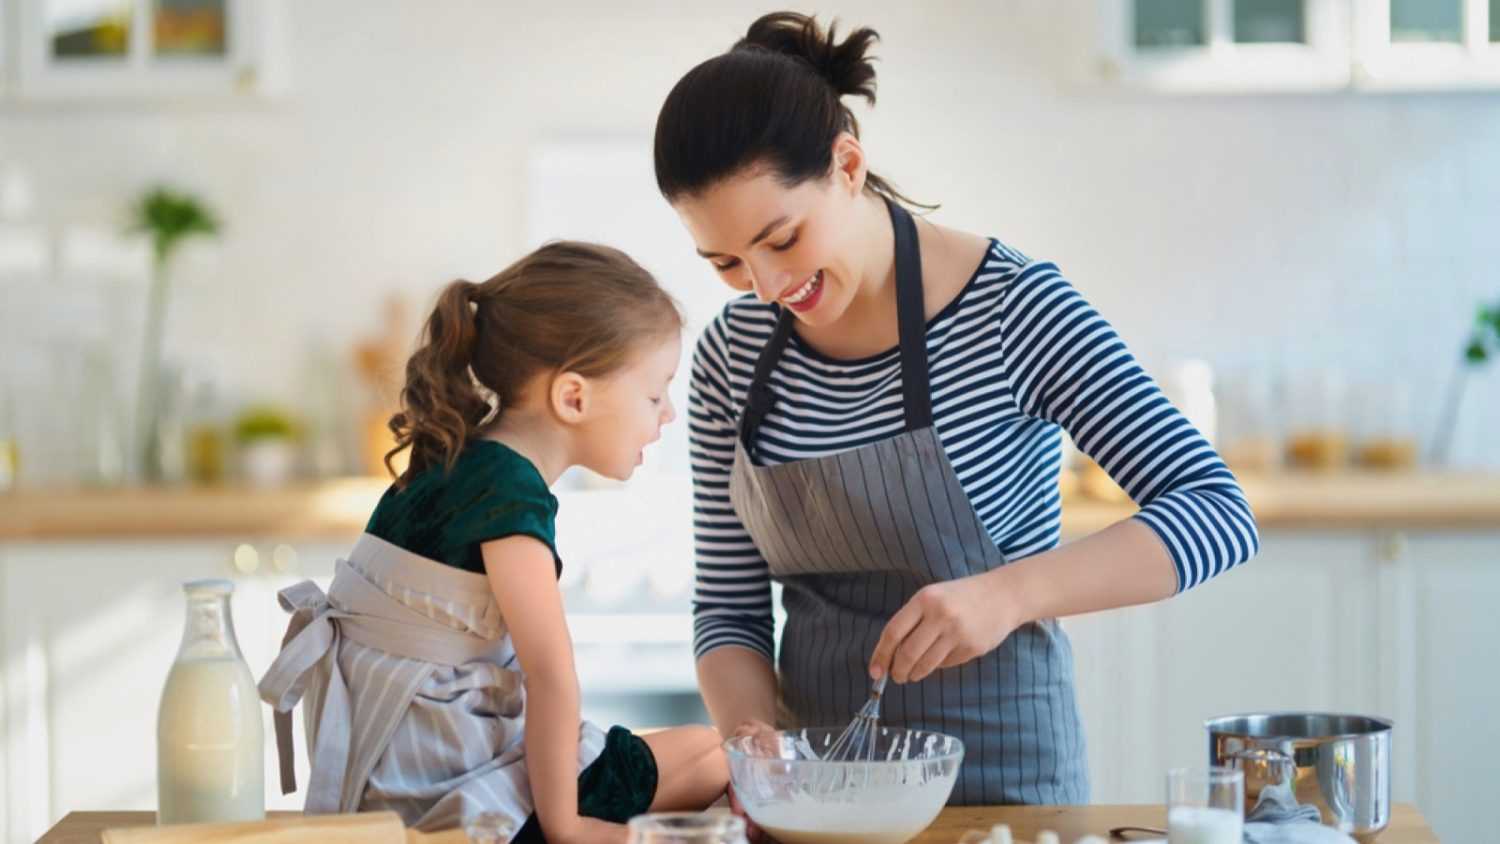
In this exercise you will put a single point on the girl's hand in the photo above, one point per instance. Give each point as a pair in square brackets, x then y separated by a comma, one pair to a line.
[763, 739]
[945, 625]
[763, 735]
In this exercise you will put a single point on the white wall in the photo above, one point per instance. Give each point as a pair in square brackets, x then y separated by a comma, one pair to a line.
[1359, 229]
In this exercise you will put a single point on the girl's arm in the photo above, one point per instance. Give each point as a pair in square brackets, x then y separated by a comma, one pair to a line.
[524, 579]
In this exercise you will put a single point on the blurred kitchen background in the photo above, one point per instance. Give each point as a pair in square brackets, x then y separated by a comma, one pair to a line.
[1289, 208]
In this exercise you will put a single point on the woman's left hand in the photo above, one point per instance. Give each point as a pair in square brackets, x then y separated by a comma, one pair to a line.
[945, 625]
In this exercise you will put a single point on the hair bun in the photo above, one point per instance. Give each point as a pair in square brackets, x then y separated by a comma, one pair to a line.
[843, 64]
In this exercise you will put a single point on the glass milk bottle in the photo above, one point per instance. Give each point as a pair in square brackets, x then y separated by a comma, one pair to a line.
[210, 757]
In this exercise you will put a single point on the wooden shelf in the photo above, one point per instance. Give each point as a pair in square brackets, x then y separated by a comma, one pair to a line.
[340, 508]
[312, 510]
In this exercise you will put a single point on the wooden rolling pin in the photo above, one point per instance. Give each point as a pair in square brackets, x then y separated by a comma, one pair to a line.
[363, 828]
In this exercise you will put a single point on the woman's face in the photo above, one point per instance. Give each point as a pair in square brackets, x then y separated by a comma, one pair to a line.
[788, 245]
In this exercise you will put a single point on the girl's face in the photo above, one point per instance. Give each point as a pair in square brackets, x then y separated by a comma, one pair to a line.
[796, 246]
[628, 408]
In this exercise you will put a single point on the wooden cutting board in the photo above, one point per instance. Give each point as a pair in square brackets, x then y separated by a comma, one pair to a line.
[366, 827]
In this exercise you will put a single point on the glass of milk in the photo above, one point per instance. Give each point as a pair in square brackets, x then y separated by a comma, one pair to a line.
[712, 827]
[210, 756]
[1205, 806]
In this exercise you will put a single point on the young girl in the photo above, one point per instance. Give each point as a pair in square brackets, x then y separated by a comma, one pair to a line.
[438, 670]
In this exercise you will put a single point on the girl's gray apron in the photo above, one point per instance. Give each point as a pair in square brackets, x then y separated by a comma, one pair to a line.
[852, 536]
[415, 702]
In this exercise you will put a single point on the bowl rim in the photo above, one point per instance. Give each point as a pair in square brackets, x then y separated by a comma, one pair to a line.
[956, 753]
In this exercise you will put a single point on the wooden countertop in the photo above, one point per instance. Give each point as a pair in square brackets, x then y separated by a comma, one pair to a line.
[1069, 822]
[339, 508]
[1073, 822]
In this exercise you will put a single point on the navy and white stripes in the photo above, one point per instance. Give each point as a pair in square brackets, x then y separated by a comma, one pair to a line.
[1016, 355]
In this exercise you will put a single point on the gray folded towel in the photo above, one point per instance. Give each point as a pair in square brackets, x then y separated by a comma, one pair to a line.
[1279, 819]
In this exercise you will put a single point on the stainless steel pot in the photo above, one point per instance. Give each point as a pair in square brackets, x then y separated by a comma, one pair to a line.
[1339, 763]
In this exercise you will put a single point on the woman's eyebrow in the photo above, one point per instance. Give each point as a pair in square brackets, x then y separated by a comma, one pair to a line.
[764, 233]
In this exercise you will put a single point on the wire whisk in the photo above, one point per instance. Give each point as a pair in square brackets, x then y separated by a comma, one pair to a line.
[857, 742]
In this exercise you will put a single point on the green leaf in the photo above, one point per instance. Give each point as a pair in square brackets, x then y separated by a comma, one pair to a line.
[169, 218]
[1475, 353]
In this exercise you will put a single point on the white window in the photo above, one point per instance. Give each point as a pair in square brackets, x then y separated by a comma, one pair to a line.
[1427, 44]
[139, 48]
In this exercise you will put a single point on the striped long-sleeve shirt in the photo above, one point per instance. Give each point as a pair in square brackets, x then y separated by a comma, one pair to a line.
[1016, 357]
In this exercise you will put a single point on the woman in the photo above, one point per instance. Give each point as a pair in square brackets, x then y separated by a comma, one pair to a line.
[877, 427]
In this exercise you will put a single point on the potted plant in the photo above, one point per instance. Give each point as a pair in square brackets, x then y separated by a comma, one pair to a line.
[168, 218]
[267, 440]
[1482, 346]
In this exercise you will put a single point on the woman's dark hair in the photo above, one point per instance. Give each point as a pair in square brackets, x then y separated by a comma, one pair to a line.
[567, 307]
[775, 99]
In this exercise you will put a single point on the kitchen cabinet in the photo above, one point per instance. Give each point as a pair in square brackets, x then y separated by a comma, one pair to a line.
[1293, 629]
[141, 49]
[1441, 654]
[1222, 46]
[1253, 46]
[1379, 623]
[1406, 45]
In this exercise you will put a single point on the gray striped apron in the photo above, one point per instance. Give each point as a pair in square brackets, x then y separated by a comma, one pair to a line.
[414, 701]
[852, 537]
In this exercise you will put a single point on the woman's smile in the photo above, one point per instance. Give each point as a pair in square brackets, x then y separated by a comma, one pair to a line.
[807, 294]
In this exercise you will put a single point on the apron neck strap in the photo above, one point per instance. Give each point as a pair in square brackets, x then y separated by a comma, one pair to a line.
[911, 320]
[911, 323]
[759, 400]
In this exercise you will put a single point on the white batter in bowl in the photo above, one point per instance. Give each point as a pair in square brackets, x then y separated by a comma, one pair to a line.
[789, 791]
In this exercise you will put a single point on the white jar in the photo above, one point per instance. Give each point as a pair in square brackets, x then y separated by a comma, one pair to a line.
[1190, 386]
[268, 463]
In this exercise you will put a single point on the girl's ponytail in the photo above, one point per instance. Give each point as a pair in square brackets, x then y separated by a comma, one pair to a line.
[441, 403]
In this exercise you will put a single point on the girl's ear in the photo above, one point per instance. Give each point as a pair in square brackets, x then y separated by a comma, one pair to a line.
[569, 397]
